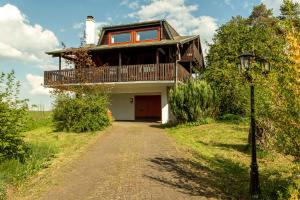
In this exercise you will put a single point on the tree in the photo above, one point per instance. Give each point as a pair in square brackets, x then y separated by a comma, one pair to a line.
[192, 101]
[276, 97]
[83, 107]
[13, 117]
[290, 11]
[257, 34]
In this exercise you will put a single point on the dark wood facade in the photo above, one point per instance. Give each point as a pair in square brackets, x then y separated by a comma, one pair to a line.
[169, 57]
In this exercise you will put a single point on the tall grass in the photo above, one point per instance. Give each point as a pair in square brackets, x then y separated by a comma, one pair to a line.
[39, 119]
[44, 146]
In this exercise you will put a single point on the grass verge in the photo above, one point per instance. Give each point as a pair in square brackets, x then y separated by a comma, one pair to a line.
[220, 160]
[45, 145]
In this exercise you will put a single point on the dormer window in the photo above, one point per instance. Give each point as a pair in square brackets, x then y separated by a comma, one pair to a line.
[147, 35]
[120, 38]
[134, 36]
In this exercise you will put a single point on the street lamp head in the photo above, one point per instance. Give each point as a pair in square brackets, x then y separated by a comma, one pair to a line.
[266, 67]
[246, 59]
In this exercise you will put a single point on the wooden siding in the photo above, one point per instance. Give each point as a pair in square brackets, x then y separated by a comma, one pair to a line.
[191, 54]
[124, 73]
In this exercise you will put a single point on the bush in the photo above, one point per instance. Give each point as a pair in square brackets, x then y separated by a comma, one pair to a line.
[231, 118]
[13, 117]
[85, 112]
[292, 191]
[192, 101]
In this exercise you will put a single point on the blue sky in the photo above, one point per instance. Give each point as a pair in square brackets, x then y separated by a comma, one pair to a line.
[31, 27]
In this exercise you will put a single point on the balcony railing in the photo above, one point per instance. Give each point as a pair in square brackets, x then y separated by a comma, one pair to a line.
[124, 73]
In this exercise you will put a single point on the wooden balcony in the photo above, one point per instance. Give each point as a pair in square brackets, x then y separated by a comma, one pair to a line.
[108, 74]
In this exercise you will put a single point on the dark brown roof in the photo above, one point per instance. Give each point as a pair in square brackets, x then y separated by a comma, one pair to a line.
[176, 40]
[132, 25]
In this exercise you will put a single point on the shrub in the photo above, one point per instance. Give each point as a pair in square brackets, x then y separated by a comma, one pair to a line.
[292, 191]
[192, 101]
[80, 113]
[13, 117]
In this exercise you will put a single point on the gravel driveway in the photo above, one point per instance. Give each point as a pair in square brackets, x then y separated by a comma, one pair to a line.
[124, 164]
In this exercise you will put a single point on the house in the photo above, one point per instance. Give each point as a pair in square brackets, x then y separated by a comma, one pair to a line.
[139, 61]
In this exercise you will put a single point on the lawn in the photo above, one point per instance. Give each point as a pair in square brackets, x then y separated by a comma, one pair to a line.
[45, 147]
[220, 159]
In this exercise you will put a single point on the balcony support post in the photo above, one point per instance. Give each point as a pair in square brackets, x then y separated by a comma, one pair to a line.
[119, 68]
[59, 68]
[157, 64]
[177, 63]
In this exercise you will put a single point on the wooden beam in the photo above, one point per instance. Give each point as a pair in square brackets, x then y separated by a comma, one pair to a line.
[120, 65]
[59, 68]
[59, 63]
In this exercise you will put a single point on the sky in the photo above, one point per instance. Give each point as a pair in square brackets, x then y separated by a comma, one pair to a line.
[29, 28]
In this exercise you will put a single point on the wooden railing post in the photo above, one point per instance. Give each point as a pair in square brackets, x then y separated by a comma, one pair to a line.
[119, 68]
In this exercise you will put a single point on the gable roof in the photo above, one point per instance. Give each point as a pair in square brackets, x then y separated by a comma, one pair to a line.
[173, 37]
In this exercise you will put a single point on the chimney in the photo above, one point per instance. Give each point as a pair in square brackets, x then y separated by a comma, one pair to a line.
[90, 30]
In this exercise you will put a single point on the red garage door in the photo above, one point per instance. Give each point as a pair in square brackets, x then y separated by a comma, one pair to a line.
[148, 107]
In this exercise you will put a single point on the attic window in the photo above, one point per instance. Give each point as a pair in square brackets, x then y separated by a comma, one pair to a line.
[120, 38]
[134, 36]
[145, 35]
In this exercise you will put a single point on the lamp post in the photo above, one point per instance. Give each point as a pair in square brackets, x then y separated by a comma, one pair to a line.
[245, 68]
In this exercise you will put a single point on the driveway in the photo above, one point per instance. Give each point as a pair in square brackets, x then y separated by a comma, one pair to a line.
[124, 164]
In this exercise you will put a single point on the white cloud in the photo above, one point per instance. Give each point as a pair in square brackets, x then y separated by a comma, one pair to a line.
[35, 82]
[229, 3]
[19, 40]
[181, 16]
[275, 5]
[78, 25]
[131, 4]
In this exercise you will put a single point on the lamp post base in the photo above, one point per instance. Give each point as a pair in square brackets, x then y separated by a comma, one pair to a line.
[254, 182]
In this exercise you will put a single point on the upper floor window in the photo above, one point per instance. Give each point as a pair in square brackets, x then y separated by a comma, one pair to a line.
[134, 36]
[121, 38]
[147, 35]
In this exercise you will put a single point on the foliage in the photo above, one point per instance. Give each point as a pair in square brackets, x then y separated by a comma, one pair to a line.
[282, 119]
[220, 160]
[276, 95]
[292, 191]
[231, 118]
[83, 107]
[256, 34]
[192, 101]
[13, 116]
[80, 113]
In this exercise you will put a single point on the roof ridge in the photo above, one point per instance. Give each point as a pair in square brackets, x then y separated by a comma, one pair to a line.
[132, 24]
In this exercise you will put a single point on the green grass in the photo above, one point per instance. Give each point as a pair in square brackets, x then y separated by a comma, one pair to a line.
[220, 159]
[44, 146]
[39, 119]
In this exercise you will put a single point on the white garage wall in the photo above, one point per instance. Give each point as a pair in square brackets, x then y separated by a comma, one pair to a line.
[121, 107]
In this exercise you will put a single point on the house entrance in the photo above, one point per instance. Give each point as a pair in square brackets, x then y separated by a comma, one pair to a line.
[148, 107]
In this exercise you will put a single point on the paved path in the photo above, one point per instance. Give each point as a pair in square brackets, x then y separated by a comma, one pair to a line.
[126, 164]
